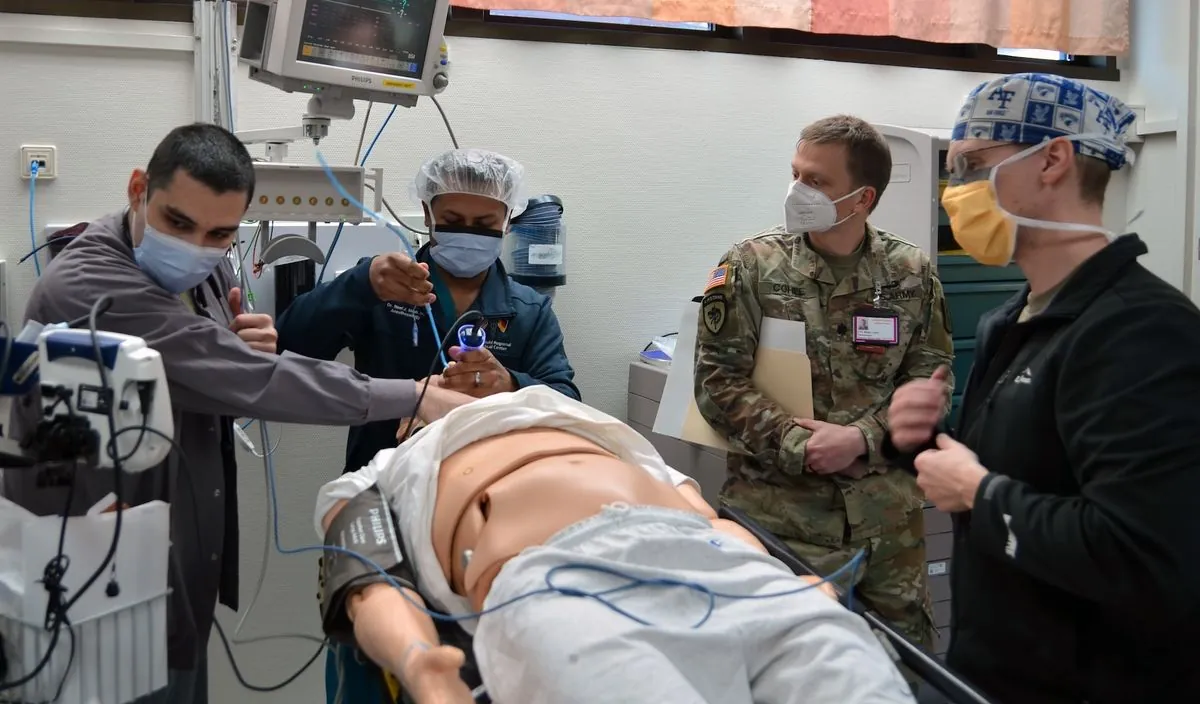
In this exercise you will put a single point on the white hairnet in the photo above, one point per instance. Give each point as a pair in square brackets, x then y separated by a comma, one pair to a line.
[473, 171]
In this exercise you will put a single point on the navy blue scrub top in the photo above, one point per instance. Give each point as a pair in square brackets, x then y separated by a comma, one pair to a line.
[522, 333]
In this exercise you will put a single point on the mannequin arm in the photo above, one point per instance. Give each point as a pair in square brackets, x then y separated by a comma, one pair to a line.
[389, 629]
[392, 628]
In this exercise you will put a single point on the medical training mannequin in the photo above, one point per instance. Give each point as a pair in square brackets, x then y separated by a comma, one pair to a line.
[378, 609]
[525, 450]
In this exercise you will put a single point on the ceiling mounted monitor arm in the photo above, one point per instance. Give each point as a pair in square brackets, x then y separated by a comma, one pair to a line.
[322, 109]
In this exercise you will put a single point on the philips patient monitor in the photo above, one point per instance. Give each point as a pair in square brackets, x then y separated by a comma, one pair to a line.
[387, 51]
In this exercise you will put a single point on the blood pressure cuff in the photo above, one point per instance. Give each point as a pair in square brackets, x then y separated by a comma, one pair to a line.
[367, 527]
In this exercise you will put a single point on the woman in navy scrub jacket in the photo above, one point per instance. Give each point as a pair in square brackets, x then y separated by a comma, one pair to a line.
[469, 197]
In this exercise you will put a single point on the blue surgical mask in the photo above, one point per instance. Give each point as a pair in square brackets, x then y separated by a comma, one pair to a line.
[465, 252]
[175, 265]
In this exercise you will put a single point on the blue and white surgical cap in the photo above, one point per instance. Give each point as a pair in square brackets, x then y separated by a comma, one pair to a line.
[471, 171]
[1031, 108]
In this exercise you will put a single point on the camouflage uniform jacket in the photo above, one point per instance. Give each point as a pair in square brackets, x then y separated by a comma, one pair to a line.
[779, 275]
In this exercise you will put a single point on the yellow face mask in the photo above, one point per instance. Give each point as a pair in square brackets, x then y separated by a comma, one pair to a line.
[982, 227]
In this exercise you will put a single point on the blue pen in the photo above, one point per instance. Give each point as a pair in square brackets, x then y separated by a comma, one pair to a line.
[414, 332]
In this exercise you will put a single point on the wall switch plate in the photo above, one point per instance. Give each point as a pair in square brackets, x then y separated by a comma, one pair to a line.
[47, 158]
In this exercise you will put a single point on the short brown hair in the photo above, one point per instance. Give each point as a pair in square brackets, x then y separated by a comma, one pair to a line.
[868, 158]
[1094, 175]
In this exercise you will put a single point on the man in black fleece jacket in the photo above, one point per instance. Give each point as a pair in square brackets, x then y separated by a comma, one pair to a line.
[1075, 476]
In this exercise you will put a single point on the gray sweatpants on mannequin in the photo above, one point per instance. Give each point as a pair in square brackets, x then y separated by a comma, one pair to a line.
[552, 648]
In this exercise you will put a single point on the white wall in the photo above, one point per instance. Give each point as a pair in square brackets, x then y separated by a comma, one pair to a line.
[663, 159]
[1159, 74]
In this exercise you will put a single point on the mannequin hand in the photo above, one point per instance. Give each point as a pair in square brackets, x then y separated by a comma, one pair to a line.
[434, 382]
[439, 401]
[471, 365]
[255, 329]
[431, 676]
[916, 409]
[417, 424]
[395, 277]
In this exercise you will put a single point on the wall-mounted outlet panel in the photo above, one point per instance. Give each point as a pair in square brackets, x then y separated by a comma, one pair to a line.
[47, 160]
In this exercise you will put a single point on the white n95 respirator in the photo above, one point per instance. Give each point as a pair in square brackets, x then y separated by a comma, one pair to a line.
[808, 210]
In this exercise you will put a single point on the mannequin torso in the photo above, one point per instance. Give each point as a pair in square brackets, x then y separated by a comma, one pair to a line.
[503, 494]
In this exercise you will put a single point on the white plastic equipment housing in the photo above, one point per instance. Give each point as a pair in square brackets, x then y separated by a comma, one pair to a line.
[304, 193]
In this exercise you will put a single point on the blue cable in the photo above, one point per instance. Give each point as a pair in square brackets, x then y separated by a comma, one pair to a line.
[33, 177]
[551, 588]
[399, 233]
[378, 134]
[338, 234]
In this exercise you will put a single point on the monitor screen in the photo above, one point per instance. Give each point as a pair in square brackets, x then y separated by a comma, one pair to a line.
[382, 36]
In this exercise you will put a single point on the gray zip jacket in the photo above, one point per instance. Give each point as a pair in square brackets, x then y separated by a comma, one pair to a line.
[213, 377]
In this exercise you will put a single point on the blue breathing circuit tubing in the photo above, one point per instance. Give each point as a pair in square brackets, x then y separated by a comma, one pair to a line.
[630, 582]
[384, 222]
[366, 155]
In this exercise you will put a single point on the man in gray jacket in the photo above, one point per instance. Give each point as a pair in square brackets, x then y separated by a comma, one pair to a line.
[163, 263]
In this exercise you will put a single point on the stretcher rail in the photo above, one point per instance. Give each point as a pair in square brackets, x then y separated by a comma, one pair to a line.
[924, 665]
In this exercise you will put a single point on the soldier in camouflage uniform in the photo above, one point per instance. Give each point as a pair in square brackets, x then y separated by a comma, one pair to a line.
[875, 317]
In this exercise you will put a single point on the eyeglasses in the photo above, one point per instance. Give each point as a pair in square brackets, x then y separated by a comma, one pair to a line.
[960, 174]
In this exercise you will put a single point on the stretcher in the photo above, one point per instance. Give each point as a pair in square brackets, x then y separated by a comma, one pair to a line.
[362, 682]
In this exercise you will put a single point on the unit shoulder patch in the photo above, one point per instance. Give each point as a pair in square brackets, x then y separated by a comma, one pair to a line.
[714, 313]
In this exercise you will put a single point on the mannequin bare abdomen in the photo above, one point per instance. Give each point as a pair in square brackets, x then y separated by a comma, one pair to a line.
[529, 505]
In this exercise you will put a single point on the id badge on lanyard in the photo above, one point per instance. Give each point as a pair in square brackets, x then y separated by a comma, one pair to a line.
[875, 328]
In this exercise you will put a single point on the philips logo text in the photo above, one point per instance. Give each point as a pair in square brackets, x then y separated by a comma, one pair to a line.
[377, 527]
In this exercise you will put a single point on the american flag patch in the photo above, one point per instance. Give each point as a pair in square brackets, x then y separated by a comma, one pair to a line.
[716, 279]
